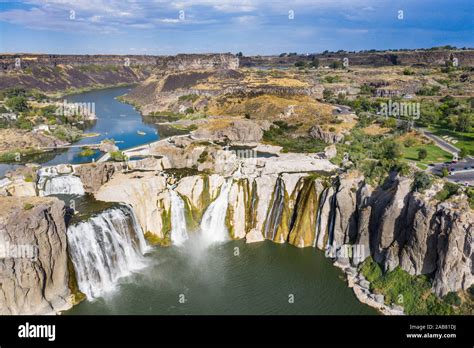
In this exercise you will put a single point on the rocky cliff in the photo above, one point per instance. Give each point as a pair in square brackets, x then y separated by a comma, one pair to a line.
[388, 58]
[33, 266]
[56, 73]
[394, 225]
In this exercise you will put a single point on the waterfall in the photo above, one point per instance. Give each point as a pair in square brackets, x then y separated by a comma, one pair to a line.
[332, 219]
[51, 182]
[322, 201]
[213, 226]
[179, 232]
[275, 214]
[104, 248]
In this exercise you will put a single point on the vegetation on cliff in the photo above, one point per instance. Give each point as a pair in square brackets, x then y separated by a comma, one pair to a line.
[414, 293]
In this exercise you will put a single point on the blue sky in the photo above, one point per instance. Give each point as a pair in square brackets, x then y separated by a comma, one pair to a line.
[251, 26]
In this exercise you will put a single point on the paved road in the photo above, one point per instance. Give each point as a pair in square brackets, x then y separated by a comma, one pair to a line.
[440, 141]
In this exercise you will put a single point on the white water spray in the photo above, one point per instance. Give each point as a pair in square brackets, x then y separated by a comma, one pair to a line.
[179, 232]
[105, 248]
[213, 228]
[51, 182]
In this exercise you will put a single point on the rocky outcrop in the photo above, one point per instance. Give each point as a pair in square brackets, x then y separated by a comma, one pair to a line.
[242, 131]
[51, 73]
[145, 192]
[93, 175]
[382, 58]
[328, 137]
[33, 267]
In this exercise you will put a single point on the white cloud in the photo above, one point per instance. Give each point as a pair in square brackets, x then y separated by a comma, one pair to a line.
[119, 15]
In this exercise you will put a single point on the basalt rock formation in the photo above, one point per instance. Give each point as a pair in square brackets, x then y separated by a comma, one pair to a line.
[394, 225]
[33, 268]
[280, 200]
[56, 73]
[388, 58]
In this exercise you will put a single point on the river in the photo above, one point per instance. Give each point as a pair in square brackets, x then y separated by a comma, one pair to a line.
[115, 120]
[231, 278]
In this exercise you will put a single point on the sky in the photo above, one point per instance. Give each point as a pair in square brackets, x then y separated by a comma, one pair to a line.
[253, 27]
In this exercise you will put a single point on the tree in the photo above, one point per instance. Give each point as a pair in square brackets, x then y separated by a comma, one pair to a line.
[463, 152]
[337, 64]
[464, 122]
[17, 104]
[422, 153]
[239, 54]
[315, 63]
[421, 182]
[390, 150]
[444, 172]
[300, 64]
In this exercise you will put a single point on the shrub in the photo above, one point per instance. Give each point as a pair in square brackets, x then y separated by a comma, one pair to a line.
[332, 79]
[118, 156]
[190, 97]
[390, 150]
[422, 154]
[399, 287]
[17, 104]
[366, 89]
[409, 142]
[421, 182]
[300, 64]
[452, 299]
[449, 190]
[337, 64]
[86, 152]
[389, 123]
[28, 206]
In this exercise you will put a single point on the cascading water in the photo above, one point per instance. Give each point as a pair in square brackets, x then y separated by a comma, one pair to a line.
[322, 200]
[275, 214]
[213, 228]
[179, 232]
[53, 183]
[104, 248]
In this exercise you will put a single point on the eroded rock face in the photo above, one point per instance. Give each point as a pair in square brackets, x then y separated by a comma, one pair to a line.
[455, 250]
[244, 131]
[37, 282]
[278, 199]
[145, 192]
[93, 176]
[317, 132]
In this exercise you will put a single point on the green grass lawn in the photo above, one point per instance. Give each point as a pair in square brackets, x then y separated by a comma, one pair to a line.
[435, 154]
[465, 140]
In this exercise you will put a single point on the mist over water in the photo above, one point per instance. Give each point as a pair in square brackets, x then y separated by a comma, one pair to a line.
[214, 280]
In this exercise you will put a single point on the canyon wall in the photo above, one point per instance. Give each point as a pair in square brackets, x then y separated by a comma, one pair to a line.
[34, 272]
[53, 73]
[388, 58]
[332, 212]
[394, 225]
